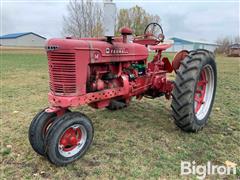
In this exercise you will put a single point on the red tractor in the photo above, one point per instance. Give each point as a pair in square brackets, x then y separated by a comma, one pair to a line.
[107, 73]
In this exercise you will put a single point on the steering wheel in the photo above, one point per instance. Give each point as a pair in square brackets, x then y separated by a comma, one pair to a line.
[155, 30]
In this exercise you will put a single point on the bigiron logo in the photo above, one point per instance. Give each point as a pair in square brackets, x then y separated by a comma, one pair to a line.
[201, 171]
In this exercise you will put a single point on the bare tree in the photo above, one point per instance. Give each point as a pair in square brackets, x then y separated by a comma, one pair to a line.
[84, 19]
[136, 18]
[223, 43]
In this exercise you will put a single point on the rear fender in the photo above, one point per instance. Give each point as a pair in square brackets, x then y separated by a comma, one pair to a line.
[178, 58]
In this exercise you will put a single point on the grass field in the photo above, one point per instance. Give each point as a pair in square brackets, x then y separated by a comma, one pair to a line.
[140, 141]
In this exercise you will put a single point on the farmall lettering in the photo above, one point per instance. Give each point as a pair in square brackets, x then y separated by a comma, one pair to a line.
[116, 51]
[122, 70]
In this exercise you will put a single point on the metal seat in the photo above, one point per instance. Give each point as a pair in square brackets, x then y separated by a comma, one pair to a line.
[161, 47]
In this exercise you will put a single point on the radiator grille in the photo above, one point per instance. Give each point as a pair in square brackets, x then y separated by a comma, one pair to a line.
[62, 70]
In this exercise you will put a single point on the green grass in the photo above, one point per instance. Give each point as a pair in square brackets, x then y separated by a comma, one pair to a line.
[140, 141]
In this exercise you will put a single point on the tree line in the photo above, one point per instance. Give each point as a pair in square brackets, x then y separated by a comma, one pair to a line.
[85, 19]
[225, 42]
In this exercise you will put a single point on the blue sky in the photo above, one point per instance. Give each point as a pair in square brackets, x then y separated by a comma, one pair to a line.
[198, 20]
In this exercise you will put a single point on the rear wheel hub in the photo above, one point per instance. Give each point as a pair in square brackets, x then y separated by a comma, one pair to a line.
[204, 92]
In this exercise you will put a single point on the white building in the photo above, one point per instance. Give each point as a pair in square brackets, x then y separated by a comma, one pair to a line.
[180, 44]
[28, 39]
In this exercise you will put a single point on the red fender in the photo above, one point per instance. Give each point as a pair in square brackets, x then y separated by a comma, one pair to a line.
[178, 58]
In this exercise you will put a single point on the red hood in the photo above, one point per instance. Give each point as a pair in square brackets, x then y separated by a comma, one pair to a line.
[106, 49]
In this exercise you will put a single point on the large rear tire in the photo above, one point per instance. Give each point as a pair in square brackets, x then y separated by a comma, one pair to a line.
[194, 90]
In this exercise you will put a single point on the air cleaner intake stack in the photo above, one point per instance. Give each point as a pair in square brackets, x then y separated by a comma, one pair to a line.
[109, 19]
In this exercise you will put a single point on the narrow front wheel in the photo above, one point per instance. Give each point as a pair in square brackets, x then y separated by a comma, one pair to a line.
[68, 138]
[38, 129]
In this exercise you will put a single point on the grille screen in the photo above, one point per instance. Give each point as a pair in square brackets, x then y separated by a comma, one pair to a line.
[62, 70]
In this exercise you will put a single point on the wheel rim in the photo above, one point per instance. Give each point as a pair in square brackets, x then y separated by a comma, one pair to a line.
[72, 140]
[204, 92]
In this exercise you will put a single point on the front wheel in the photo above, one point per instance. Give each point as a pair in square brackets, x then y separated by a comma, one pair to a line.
[38, 129]
[194, 91]
[68, 138]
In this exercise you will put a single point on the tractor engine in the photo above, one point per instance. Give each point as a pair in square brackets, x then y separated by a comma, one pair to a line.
[81, 66]
[96, 71]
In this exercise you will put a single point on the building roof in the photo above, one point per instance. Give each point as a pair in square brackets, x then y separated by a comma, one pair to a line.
[16, 35]
[184, 41]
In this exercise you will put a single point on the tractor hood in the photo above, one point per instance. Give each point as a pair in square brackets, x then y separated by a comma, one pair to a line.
[100, 50]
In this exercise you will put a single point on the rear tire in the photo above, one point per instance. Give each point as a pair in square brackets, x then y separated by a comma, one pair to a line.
[68, 138]
[194, 91]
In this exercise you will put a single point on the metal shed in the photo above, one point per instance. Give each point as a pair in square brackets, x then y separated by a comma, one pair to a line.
[234, 49]
[27, 39]
[180, 44]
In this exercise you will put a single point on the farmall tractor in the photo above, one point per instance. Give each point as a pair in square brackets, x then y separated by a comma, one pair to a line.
[107, 73]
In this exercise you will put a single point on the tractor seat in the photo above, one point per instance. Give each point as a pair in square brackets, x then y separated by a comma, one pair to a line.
[161, 47]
